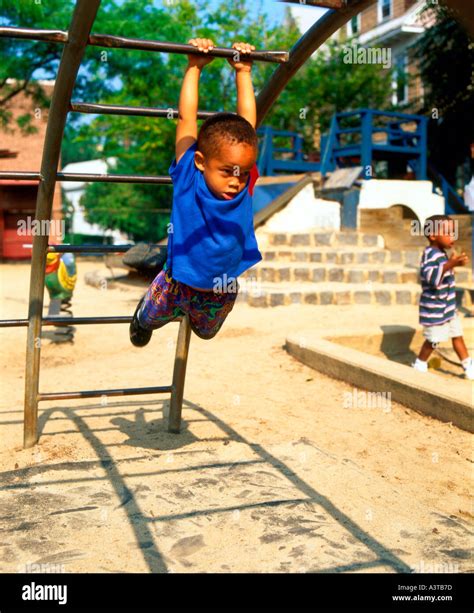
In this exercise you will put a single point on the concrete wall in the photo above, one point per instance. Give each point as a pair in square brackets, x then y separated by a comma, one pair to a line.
[305, 211]
[416, 195]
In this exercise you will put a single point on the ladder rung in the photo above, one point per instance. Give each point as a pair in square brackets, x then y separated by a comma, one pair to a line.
[131, 391]
[65, 248]
[72, 321]
[141, 111]
[89, 178]
[106, 40]
[20, 175]
[48, 36]
[86, 177]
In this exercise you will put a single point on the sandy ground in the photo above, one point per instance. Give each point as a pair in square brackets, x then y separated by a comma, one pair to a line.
[269, 473]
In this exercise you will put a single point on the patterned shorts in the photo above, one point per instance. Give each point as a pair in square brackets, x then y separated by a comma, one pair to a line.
[167, 299]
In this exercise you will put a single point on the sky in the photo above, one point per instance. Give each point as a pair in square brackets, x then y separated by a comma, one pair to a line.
[306, 15]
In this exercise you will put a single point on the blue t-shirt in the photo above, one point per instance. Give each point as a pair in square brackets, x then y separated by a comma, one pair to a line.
[210, 241]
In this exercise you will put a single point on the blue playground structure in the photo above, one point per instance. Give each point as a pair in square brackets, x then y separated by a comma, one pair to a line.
[367, 135]
[361, 138]
[269, 165]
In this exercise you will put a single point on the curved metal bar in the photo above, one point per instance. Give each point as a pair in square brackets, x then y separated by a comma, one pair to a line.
[81, 24]
[302, 50]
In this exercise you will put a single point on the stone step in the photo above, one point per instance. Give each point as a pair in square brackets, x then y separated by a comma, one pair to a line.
[276, 272]
[341, 255]
[275, 294]
[324, 238]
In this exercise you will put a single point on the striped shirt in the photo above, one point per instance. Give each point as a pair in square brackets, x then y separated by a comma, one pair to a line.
[438, 298]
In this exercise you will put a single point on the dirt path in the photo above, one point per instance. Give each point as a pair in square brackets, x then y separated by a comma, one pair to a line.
[270, 472]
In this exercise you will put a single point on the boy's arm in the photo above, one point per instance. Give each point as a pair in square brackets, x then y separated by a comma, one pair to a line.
[246, 105]
[455, 260]
[186, 130]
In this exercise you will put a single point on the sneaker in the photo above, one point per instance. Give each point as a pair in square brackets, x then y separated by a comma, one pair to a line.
[139, 336]
[420, 366]
[469, 370]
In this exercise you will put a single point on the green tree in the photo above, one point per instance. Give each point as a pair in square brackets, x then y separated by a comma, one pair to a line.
[145, 146]
[24, 60]
[446, 59]
[326, 85]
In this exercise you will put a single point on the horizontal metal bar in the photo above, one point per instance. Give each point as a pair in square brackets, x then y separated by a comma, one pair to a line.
[296, 165]
[122, 42]
[398, 149]
[20, 175]
[106, 40]
[94, 178]
[387, 130]
[355, 150]
[404, 116]
[139, 111]
[267, 129]
[90, 178]
[349, 130]
[72, 321]
[286, 150]
[65, 248]
[48, 36]
[132, 391]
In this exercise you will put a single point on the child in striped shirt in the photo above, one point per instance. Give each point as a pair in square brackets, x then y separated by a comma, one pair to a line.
[437, 306]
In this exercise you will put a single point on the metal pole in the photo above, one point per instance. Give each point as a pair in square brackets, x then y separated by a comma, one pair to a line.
[179, 373]
[136, 111]
[366, 147]
[81, 24]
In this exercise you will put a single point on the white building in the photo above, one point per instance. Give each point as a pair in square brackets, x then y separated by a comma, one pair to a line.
[74, 190]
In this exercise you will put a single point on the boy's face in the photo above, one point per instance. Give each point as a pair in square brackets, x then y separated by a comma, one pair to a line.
[227, 174]
[445, 235]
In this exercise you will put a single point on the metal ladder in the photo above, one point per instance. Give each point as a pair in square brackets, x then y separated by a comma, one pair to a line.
[75, 41]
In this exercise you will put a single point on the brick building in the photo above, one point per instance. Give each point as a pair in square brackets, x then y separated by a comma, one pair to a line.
[18, 198]
[396, 25]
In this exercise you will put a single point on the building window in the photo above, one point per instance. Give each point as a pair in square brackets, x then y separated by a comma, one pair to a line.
[353, 26]
[384, 9]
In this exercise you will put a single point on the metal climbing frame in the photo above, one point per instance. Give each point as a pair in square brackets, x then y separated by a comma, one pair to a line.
[75, 41]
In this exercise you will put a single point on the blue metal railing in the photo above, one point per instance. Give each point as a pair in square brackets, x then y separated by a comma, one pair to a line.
[269, 164]
[412, 144]
[454, 204]
[350, 141]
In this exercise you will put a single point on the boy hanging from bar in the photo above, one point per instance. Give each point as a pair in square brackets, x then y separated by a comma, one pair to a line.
[211, 240]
